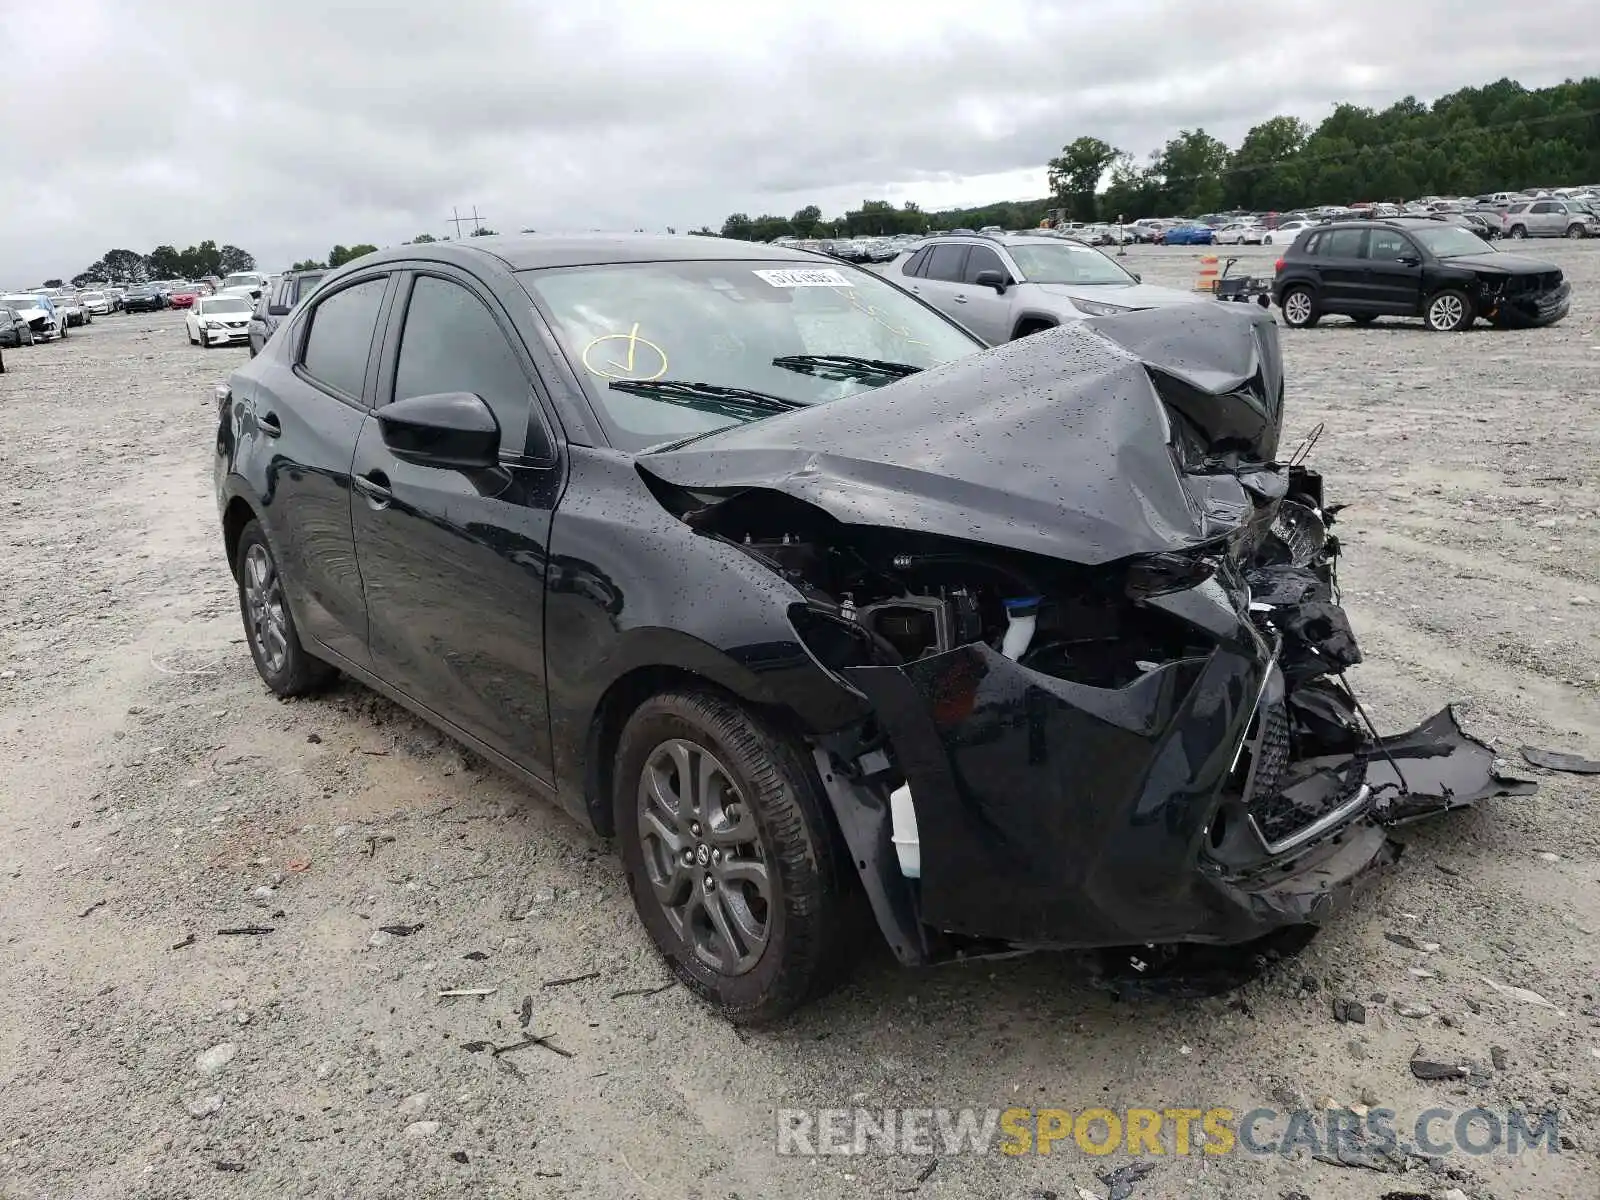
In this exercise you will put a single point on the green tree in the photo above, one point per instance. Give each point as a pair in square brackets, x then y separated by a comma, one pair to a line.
[164, 262]
[806, 220]
[53, 283]
[1191, 167]
[482, 231]
[309, 264]
[339, 255]
[234, 259]
[1075, 174]
[422, 239]
[738, 225]
[1263, 173]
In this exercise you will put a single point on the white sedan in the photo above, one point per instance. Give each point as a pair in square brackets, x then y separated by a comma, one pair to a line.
[1286, 233]
[218, 320]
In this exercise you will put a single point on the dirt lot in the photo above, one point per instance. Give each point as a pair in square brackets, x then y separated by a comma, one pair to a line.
[154, 794]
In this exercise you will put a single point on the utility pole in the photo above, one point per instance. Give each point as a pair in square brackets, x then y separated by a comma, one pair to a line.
[458, 220]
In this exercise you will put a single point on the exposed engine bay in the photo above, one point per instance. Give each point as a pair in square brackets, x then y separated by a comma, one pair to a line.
[1098, 635]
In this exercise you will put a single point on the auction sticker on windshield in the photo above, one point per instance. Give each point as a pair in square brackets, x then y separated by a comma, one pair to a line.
[820, 277]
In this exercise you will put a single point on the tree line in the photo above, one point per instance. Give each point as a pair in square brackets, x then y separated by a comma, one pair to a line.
[339, 255]
[1500, 137]
[164, 262]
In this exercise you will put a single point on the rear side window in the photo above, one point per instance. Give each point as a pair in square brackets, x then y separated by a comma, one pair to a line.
[914, 264]
[340, 338]
[1342, 243]
[1516, 208]
[300, 286]
[946, 262]
[452, 343]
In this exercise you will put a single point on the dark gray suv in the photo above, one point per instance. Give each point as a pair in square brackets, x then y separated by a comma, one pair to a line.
[276, 302]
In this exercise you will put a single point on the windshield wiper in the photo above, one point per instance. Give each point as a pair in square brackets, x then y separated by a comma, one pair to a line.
[843, 366]
[707, 397]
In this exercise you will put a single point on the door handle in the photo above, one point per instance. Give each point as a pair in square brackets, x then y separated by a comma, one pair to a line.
[374, 485]
[958, 300]
[269, 425]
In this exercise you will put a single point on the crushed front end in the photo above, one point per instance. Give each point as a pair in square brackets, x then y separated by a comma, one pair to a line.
[1102, 664]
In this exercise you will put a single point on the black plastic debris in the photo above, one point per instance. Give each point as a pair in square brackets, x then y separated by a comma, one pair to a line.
[1191, 971]
[400, 930]
[228, 1166]
[245, 931]
[183, 945]
[1556, 760]
[1121, 1180]
[1349, 1012]
[459, 1156]
[651, 991]
[1400, 939]
[525, 1012]
[1424, 1068]
[92, 907]
[475, 1047]
[475, 956]
[570, 979]
[922, 1177]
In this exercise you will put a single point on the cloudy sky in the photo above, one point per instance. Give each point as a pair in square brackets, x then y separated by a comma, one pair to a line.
[284, 126]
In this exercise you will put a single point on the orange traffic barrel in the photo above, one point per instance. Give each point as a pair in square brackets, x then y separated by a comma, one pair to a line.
[1207, 279]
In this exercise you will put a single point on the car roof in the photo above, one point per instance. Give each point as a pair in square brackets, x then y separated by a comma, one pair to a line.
[530, 251]
[1393, 222]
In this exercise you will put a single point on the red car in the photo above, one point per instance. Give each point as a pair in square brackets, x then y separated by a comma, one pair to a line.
[184, 297]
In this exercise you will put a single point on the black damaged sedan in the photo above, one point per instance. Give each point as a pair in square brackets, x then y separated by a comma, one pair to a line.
[767, 570]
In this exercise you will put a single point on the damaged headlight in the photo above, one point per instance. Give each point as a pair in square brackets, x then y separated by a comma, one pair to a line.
[1301, 530]
[1162, 574]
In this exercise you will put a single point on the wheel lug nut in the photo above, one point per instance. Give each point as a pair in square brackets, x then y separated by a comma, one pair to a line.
[694, 828]
[716, 856]
[688, 858]
[710, 883]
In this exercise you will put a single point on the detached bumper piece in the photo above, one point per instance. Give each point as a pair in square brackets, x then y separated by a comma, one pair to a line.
[1533, 300]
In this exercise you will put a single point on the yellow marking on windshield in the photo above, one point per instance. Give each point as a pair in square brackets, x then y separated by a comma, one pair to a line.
[630, 367]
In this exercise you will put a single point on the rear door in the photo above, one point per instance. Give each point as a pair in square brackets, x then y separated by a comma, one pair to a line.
[296, 428]
[454, 561]
[1547, 218]
[1342, 267]
[941, 283]
[1394, 275]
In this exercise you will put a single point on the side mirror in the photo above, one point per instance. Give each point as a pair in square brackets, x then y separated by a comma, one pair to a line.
[277, 310]
[1137, 278]
[993, 279]
[1409, 260]
[452, 430]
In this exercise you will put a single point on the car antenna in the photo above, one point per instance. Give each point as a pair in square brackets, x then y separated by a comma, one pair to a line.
[1308, 445]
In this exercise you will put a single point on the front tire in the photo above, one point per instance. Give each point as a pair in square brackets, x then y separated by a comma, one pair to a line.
[1519, 232]
[729, 854]
[282, 662]
[1577, 232]
[1449, 311]
[1300, 307]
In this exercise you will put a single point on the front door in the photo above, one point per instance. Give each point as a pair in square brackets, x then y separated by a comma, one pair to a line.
[454, 561]
[1394, 273]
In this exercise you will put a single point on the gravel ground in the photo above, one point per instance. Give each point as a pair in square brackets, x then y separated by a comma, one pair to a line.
[156, 794]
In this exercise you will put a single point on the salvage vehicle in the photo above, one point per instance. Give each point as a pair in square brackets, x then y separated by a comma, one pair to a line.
[777, 576]
[15, 329]
[218, 320]
[43, 320]
[277, 302]
[184, 295]
[1009, 289]
[96, 304]
[1405, 267]
[70, 309]
[144, 297]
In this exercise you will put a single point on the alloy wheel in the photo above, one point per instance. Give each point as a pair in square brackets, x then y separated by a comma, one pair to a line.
[1446, 312]
[1297, 308]
[703, 856]
[263, 597]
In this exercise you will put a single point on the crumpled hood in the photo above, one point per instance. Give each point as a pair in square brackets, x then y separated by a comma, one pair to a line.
[1128, 295]
[1057, 444]
[1493, 260]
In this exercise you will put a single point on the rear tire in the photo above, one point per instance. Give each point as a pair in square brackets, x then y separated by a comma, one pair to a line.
[730, 855]
[1448, 311]
[1300, 310]
[282, 662]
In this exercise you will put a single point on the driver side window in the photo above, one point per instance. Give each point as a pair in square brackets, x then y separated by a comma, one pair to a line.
[1389, 245]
